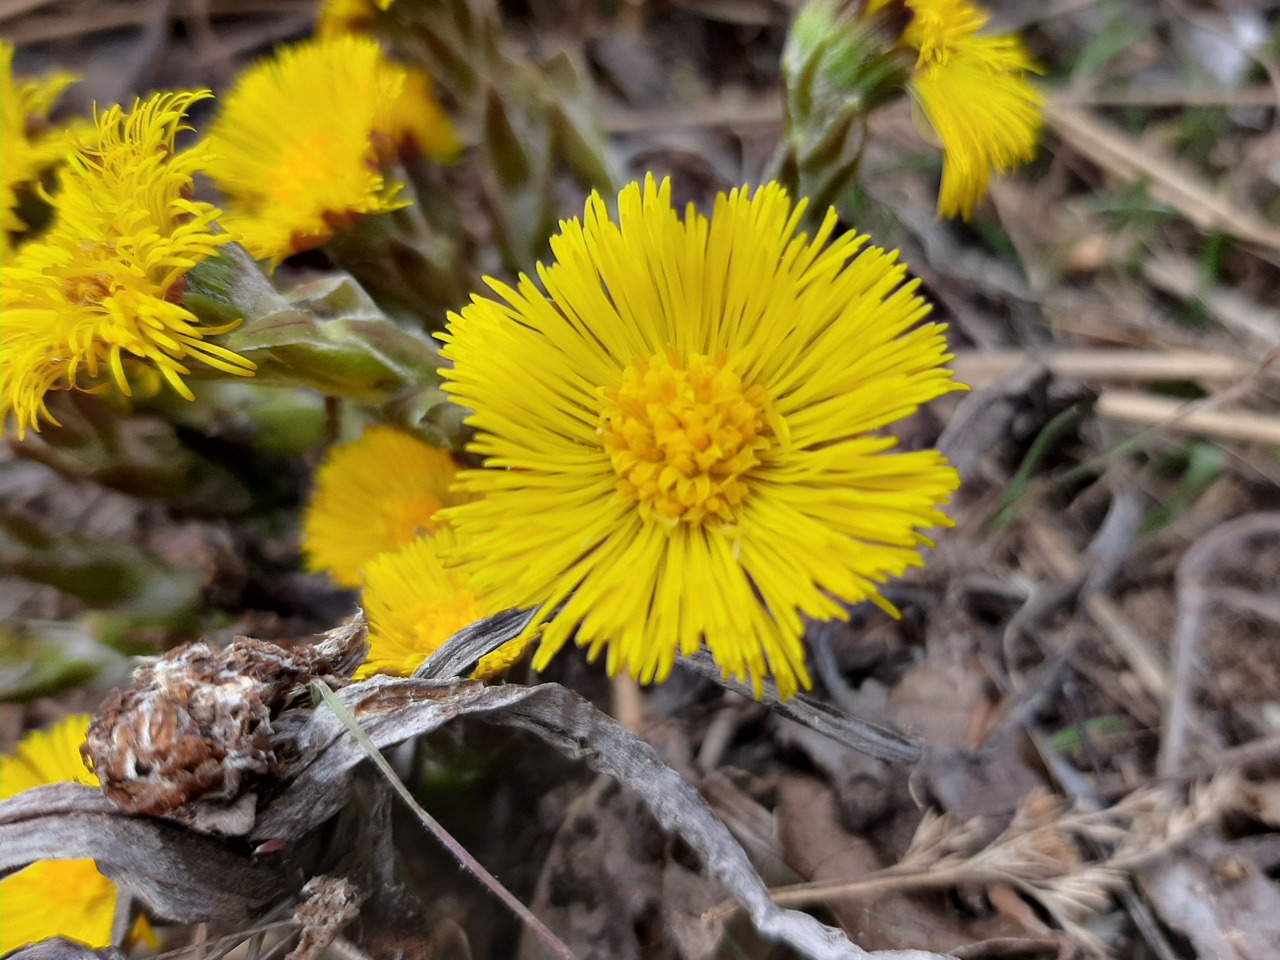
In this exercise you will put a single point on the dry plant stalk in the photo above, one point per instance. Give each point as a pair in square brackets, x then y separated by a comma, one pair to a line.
[1133, 406]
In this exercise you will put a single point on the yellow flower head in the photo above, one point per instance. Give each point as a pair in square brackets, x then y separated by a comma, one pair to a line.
[67, 898]
[681, 433]
[973, 90]
[419, 125]
[337, 17]
[414, 605]
[374, 495]
[26, 149]
[104, 285]
[295, 146]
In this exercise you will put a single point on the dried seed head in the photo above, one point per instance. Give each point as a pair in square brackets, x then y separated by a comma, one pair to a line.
[196, 723]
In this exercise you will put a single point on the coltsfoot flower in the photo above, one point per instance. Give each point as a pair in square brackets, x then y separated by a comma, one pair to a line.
[27, 149]
[336, 17]
[414, 605]
[68, 898]
[682, 433]
[846, 58]
[418, 125]
[296, 144]
[372, 496]
[972, 88]
[102, 288]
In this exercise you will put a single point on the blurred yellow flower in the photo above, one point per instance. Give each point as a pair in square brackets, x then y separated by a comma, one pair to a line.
[418, 125]
[295, 145]
[104, 284]
[68, 898]
[337, 17]
[27, 149]
[374, 495]
[414, 605]
[682, 434]
[973, 90]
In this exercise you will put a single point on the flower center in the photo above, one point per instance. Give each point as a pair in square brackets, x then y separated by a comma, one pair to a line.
[85, 289]
[681, 434]
[408, 517]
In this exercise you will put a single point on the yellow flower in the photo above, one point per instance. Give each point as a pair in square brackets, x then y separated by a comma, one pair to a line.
[294, 146]
[372, 496]
[973, 90]
[104, 284]
[682, 434]
[414, 605]
[26, 150]
[337, 17]
[67, 898]
[418, 123]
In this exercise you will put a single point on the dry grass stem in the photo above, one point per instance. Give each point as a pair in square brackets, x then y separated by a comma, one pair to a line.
[459, 852]
[1170, 182]
[1191, 418]
[1171, 96]
[1136, 648]
[981, 368]
[1182, 277]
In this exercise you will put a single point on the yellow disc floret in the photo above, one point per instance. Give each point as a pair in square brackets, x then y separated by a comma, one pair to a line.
[681, 434]
[414, 605]
[295, 144]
